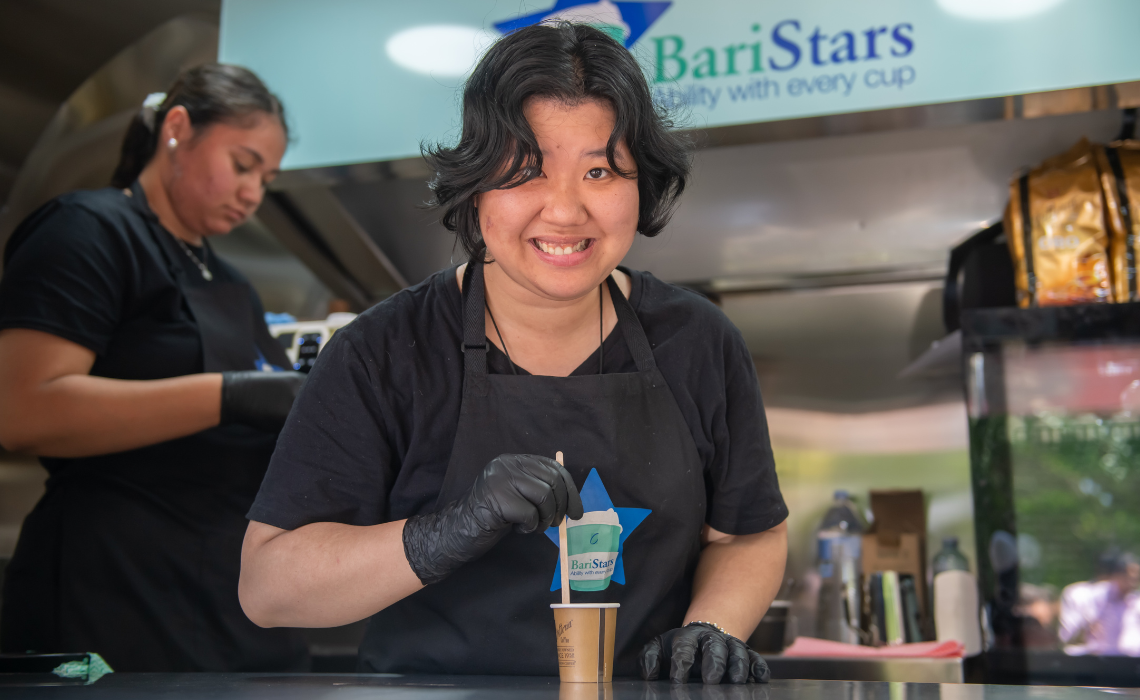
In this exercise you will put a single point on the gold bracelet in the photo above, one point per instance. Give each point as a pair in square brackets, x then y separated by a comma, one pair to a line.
[710, 624]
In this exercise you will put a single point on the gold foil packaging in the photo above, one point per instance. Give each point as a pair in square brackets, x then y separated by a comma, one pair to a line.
[1119, 165]
[1057, 231]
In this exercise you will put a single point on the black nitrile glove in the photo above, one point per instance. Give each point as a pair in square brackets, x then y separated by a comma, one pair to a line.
[529, 492]
[259, 399]
[722, 656]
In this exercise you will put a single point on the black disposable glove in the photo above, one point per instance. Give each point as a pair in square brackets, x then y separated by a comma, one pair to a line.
[259, 399]
[528, 492]
[721, 655]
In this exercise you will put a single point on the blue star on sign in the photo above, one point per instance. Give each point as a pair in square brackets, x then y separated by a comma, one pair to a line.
[595, 497]
[637, 16]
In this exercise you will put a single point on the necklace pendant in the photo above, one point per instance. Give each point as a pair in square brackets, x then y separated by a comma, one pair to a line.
[207, 275]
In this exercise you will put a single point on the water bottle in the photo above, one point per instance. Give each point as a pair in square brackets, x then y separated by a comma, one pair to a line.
[956, 613]
[950, 558]
[839, 543]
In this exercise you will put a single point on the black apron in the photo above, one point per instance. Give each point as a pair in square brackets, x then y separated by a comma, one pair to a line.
[493, 615]
[136, 556]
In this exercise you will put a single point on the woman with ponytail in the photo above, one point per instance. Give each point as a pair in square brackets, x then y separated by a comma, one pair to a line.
[136, 364]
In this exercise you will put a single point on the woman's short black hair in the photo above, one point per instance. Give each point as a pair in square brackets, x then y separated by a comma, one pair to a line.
[211, 93]
[567, 62]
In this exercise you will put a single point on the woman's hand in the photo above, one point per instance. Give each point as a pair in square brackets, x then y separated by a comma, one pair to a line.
[722, 656]
[259, 399]
[736, 579]
[527, 492]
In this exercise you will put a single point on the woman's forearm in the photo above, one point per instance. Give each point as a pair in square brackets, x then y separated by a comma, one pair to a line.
[79, 415]
[737, 578]
[324, 574]
[51, 406]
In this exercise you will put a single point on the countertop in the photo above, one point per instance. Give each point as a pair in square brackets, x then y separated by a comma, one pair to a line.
[134, 686]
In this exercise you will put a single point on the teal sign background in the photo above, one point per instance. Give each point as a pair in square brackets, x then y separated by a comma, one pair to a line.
[716, 63]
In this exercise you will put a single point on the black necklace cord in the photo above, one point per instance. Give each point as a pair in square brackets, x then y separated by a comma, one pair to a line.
[601, 332]
[502, 342]
[601, 328]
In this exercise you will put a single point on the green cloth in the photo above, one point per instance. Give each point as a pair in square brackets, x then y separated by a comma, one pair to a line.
[90, 670]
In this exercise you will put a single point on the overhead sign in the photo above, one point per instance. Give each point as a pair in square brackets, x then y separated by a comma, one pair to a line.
[366, 81]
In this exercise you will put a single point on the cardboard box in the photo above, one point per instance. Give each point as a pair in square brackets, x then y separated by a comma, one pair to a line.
[903, 555]
[897, 540]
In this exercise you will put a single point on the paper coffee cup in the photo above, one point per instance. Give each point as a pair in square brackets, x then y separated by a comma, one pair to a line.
[585, 640]
[592, 544]
[585, 691]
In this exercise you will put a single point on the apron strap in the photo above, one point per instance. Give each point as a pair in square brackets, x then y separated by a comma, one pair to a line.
[474, 345]
[631, 327]
[157, 233]
[475, 330]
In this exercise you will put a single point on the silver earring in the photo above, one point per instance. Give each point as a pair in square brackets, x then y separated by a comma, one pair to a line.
[172, 143]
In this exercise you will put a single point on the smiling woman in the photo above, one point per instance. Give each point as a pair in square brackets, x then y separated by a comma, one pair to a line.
[499, 147]
[414, 482]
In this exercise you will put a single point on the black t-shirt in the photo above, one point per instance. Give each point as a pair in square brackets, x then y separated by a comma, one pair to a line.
[89, 268]
[86, 268]
[370, 436]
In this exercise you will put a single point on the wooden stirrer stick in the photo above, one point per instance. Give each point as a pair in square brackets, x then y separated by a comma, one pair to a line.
[563, 549]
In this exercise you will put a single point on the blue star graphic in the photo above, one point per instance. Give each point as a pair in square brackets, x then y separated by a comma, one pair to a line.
[639, 16]
[595, 497]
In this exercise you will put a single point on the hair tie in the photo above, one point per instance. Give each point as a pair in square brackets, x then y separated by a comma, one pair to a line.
[150, 107]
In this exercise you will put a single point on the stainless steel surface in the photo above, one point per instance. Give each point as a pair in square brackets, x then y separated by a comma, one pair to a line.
[893, 670]
[841, 349]
[279, 216]
[917, 117]
[80, 146]
[334, 687]
[49, 47]
[392, 212]
[349, 243]
[890, 201]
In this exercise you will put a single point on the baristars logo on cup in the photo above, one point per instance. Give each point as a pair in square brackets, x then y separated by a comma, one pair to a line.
[593, 549]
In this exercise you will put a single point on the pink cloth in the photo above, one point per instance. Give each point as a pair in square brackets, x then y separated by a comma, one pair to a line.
[810, 646]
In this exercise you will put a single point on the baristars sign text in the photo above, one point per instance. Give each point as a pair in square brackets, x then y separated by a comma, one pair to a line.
[758, 69]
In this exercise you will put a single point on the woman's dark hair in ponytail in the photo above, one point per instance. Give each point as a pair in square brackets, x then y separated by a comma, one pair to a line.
[211, 93]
